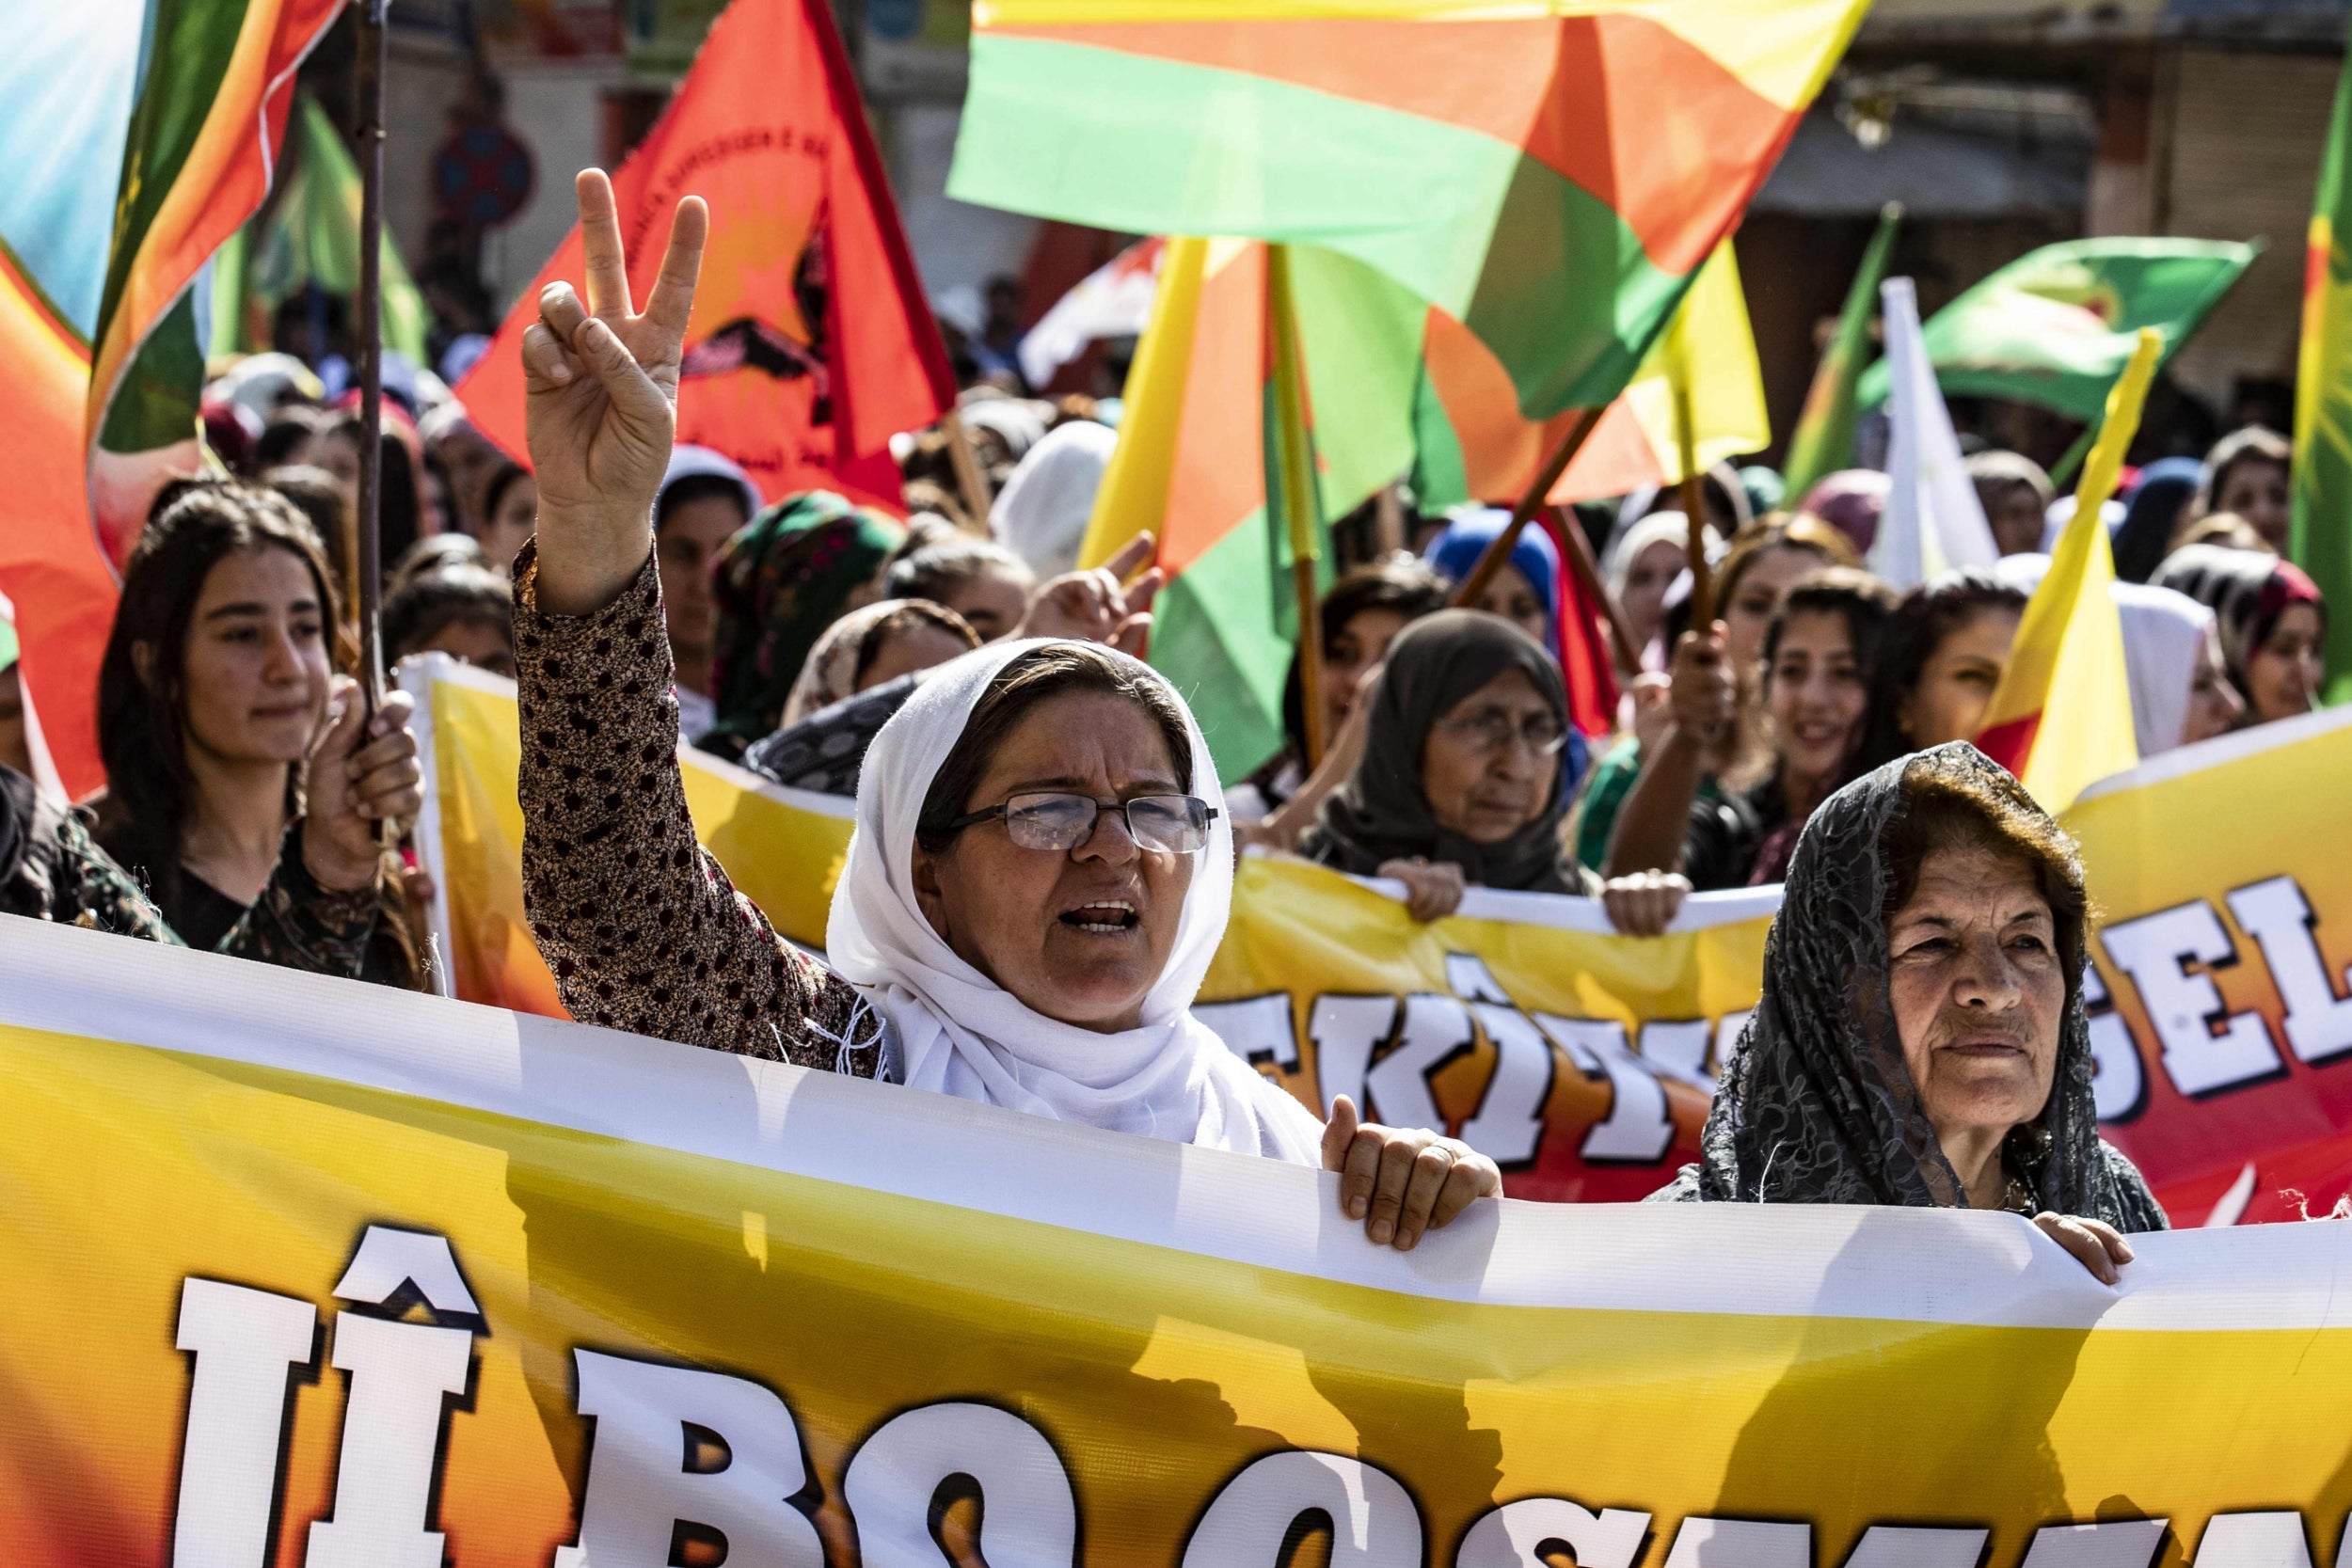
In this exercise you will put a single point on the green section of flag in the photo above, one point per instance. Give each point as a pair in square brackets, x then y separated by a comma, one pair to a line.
[2321, 538]
[1222, 633]
[1469, 224]
[190, 44]
[1225, 628]
[1823, 443]
[308, 237]
[2057, 326]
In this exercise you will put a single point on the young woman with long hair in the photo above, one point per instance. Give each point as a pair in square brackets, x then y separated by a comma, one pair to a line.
[245, 786]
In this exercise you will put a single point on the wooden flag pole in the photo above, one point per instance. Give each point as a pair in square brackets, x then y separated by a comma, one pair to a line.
[370, 327]
[1473, 586]
[1694, 483]
[1294, 472]
[970, 477]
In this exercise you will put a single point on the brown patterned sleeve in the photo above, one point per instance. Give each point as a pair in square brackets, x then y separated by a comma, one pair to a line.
[640, 924]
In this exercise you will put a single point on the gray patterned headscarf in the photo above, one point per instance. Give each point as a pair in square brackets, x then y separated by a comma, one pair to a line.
[1816, 1105]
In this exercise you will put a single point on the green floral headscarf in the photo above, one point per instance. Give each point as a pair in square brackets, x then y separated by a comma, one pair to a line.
[791, 572]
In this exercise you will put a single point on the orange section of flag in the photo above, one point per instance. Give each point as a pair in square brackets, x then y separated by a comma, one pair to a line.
[811, 343]
[50, 562]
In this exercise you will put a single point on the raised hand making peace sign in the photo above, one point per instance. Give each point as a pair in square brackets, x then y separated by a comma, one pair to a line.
[601, 404]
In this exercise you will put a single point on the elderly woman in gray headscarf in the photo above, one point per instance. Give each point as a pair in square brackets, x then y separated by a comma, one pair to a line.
[1921, 1038]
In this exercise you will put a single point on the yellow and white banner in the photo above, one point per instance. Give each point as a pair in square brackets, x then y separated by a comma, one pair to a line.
[304, 1272]
[1581, 1060]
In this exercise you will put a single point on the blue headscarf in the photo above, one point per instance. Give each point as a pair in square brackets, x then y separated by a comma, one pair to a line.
[1468, 534]
[2142, 542]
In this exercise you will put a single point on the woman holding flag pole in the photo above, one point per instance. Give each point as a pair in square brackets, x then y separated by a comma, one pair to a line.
[1041, 868]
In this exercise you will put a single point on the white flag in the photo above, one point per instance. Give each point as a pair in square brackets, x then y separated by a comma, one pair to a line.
[1933, 519]
[1112, 301]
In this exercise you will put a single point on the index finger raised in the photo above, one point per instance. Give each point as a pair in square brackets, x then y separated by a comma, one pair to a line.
[600, 245]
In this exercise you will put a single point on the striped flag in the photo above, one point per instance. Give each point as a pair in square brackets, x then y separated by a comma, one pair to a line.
[2062, 718]
[1203, 446]
[1551, 182]
[138, 136]
[1474, 445]
[206, 122]
[1823, 443]
[2320, 540]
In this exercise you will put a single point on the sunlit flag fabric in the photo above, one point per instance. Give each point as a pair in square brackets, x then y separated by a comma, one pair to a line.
[138, 136]
[1552, 182]
[2321, 537]
[309, 236]
[2056, 327]
[205, 127]
[1472, 443]
[811, 344]
[1934, 521]
[1199, 452]
[63, 589]
[2062, 718]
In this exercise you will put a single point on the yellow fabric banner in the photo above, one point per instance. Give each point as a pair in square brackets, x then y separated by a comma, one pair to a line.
[1581, 1060]
[296, 1277]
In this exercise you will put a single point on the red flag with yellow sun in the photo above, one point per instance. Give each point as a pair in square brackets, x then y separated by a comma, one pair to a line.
[811, 344]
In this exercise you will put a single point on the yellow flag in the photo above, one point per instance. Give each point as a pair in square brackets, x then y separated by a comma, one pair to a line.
[1710, 342]
[2062, 718]
[1135, 487]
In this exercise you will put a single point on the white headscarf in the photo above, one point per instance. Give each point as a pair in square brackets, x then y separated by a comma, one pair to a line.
[692, 462]
[1651, 528]
[2164, 642]
[960, 1032]
[1042, 516]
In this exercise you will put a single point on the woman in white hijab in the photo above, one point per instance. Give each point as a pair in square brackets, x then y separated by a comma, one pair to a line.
[1041, 868]
[1042, 514]
[2171, 655]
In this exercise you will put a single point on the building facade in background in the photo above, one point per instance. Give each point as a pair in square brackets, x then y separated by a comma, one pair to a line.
[2000, 124]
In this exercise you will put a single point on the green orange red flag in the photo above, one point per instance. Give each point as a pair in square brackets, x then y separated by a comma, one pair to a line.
[1823, 440]
[206, 122]
[2062, 718]
[1506, 163]
[2320, 538]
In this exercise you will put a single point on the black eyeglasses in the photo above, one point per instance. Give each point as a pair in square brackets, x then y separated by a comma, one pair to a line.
[1175, 824]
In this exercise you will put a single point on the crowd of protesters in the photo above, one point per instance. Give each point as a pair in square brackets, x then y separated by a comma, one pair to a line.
[839, 647]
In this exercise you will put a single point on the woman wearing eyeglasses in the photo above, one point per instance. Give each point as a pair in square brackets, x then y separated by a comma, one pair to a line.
[1041, 868]
[1460, 778]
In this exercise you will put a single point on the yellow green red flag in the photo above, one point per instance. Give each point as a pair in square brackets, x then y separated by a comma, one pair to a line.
[1506, 163]
[206, 123]
[2320, 536]
[1473, 444]
[2062, 718]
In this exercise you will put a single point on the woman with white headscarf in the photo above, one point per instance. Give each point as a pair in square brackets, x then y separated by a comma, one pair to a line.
[1042, 869]
[2170, 655]
[1042, 516]
[1642, 562]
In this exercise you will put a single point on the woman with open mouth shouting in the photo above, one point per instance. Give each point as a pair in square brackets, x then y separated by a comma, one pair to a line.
[1041, 868]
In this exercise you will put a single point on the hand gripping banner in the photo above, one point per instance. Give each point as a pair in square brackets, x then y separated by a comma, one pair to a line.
[301, 1272]
[1581, 1060]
